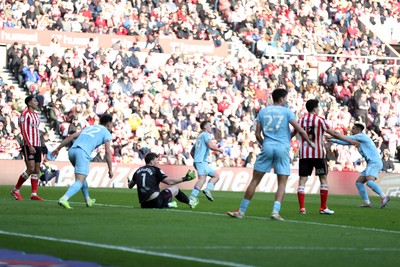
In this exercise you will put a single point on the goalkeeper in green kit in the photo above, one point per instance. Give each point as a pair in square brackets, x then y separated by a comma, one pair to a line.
[148, 179]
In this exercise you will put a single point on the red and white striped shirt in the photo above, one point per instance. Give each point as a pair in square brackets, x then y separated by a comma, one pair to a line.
[315, 128]
[29, 123]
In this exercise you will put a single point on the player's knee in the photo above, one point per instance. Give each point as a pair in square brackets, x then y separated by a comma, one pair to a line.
[324, 187]
[301, 190]
[25, 175]
[174, 190]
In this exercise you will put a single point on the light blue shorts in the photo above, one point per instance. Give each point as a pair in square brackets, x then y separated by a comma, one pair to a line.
[372, 169]
[203, 168]
[276, 157]
[80, 160]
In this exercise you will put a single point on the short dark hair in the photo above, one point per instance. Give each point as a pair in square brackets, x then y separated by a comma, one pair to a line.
[311, 104]
[29, 99]
[359, 126]
[105, 119]
[203, 124]
[278, 93]
[149, 157]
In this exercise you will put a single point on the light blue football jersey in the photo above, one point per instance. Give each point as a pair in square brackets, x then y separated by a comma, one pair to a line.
[274, 121]
[201, 150]
[91, 137]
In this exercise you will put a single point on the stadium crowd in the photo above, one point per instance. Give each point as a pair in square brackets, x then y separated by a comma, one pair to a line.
[159, 107]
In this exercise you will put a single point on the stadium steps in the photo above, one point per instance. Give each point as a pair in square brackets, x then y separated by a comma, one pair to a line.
[19, 92]
[236, 46]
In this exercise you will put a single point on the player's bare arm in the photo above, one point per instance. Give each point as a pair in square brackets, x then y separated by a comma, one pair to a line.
[302, 133]
[65, 142]
[214, 147]
[259, 135]
[342, 137]
[109, 159]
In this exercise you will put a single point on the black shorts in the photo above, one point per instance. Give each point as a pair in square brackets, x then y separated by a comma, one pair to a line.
[37, 157]
[160, 202]
[306, 167]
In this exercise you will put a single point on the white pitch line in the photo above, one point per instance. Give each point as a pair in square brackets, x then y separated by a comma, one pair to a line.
[129, 249]
[261, 218]
[272, 248]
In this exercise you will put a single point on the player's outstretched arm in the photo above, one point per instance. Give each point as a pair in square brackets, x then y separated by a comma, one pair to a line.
[190, 175]
[342, 137]
[65, 142]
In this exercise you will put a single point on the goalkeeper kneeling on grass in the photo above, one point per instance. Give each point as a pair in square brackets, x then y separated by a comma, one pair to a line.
[148, 179]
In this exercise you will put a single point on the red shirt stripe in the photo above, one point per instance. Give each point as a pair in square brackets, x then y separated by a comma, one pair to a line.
[29, 124]
[315, 128]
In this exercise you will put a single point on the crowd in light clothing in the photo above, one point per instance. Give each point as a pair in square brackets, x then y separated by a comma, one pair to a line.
[158, 107]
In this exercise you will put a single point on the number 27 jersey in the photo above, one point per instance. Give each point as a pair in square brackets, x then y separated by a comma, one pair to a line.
[274, 121]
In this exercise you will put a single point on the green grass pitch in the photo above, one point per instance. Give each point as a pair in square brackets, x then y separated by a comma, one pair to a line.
[116, 232]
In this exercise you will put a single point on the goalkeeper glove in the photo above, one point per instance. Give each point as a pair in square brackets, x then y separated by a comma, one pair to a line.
[190, 175]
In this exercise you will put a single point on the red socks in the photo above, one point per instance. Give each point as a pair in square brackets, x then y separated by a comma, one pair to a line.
[301, 195]
[324, 195]
[34, 183]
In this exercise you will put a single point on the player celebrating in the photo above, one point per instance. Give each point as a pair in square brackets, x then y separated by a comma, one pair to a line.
[315, 128]
[370, 153]
[273, 133]
[31, 149]
[79, 155]
[148, 179]
[202, 148]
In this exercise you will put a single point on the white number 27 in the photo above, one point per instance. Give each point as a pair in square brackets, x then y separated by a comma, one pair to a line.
[273, 122]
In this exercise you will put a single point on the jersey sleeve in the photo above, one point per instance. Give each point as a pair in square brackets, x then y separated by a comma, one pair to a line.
[290, 115]
[161, 175]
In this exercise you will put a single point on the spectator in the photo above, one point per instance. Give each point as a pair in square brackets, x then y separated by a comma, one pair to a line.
[57, 117]
[48, 171]
[31, 76]
[387, 162]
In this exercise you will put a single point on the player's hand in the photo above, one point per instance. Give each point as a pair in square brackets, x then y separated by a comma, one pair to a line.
[110, 174]
[32, 150]
[190, 175]
[312, 145]
[355, 143]
[54, 153]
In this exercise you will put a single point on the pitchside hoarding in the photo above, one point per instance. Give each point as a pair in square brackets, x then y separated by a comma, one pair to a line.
[232, 179]
[81, 40]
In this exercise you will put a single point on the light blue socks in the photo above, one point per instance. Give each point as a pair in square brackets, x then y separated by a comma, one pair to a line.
[210, 186]
[85, 191]
[376, 188]
[72, 190]
[243, 205]
[362, 191]
[195, 192]
[277, 206]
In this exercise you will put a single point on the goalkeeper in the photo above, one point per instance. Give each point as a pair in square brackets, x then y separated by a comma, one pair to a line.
[148, 179]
